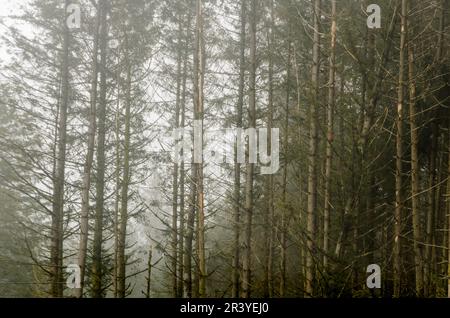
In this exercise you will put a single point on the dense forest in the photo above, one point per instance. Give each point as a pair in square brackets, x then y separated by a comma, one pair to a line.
[333, 119]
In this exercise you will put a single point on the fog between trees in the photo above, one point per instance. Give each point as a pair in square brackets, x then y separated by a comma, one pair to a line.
[355, 94]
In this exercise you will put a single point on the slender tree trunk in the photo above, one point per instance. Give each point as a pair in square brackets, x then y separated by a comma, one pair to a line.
[312, 154]
[369, 184]
[444, 5]
[399, 157]
[190, 228]
[182, 167]
[196, 270]
[330, 133]
[175, 197]
[121, 258]
[56, 252]
[237, 166]
[149, 273]
[442, 22]
[198, 116]
[97, 289]
[181, 226]
[86, 185]
[439, 226]
[431, 211]
[285, 209]
[269, 217]
[415, 182]
[448, 213]
[174, 230]
[190, 235]
[117, 186]
[302, 248]
[248, 207]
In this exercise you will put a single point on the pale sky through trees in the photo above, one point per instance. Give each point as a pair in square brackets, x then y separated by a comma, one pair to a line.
[338, 186]
[8, 9]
